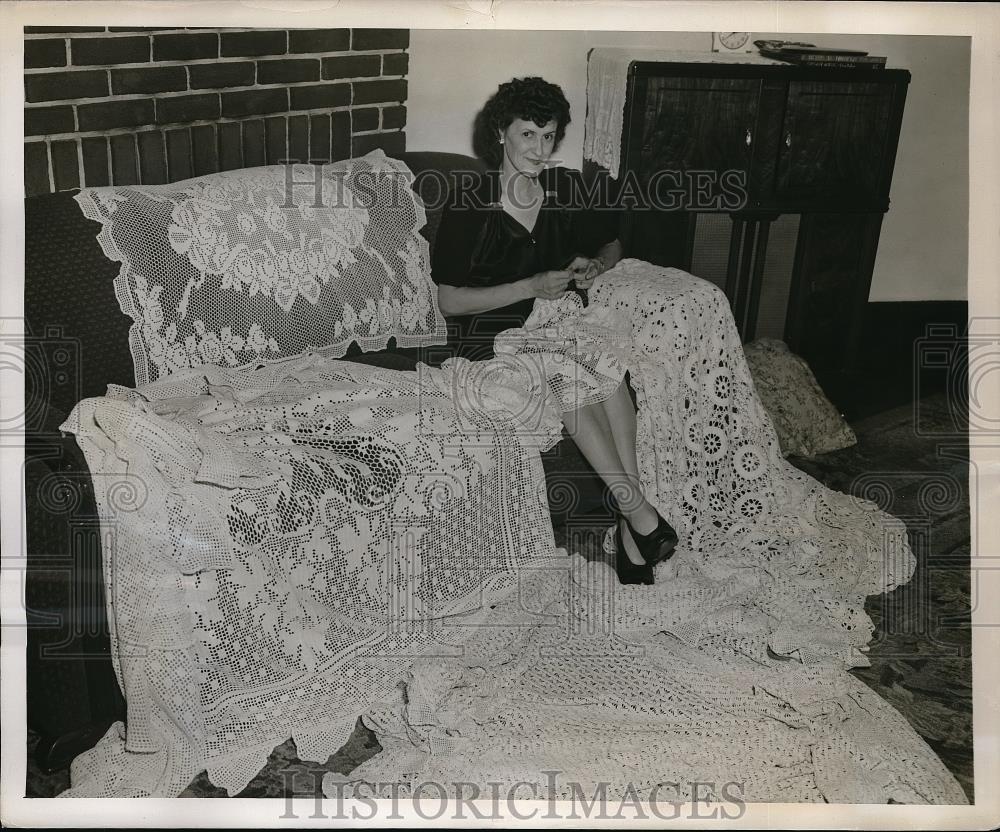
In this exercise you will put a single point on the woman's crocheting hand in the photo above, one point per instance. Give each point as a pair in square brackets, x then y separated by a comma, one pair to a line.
[586, 269]
[550, 285]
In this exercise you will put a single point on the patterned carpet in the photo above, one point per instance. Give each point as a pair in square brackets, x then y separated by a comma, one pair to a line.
[913, 462]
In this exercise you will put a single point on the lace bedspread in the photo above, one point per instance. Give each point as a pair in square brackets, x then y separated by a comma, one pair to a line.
[300, 543]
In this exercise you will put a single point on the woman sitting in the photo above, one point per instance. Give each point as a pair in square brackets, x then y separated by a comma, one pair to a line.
[521, 233]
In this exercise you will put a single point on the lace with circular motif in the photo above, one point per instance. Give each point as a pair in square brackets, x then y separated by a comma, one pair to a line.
[295, 544]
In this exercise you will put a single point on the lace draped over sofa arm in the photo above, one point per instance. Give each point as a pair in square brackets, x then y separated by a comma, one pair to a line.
[264, 263]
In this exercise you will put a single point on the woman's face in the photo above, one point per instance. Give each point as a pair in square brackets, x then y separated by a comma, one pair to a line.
[527, 147]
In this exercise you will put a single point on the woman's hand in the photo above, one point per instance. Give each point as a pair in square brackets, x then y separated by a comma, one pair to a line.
[586, 270]
[550, 285]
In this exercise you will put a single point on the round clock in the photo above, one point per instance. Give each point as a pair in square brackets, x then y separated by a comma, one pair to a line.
[734, 40]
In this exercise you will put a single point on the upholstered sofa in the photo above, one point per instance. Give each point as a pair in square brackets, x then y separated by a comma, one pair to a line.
[77, 345]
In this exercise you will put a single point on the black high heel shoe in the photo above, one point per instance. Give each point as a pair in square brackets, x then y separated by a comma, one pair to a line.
[659, 544]
[628, 572]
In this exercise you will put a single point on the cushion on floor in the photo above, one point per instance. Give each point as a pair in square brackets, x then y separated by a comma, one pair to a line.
[805, 420]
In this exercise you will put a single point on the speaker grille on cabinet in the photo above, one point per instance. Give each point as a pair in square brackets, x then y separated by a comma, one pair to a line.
[777, 278]
[710, 258]
[711, 248]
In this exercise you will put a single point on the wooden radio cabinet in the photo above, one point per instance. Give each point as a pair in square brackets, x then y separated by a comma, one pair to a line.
[756, 141]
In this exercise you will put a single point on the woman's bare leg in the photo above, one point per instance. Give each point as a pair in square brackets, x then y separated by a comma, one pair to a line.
[620, 415]
[592, 432]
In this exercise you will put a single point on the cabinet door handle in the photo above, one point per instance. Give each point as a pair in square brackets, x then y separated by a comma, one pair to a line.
[788, 139]
[749, 138]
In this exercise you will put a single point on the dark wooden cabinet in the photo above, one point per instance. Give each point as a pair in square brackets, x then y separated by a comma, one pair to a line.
[834, 143]
[756, 141]
[695, 124]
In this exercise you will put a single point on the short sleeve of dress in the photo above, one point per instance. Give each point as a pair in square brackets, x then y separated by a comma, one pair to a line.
[454, 245]
[595, 228]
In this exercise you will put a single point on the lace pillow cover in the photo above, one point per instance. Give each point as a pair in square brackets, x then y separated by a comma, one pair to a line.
[264, 263]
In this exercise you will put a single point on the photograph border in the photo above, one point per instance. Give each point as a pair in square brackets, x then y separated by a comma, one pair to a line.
[980, 22]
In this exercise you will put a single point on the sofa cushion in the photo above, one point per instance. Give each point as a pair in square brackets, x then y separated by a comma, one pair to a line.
[434, 176]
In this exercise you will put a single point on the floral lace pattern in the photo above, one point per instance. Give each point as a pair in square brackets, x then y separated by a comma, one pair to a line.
[310, 540]
[264, 263]
[304, 530]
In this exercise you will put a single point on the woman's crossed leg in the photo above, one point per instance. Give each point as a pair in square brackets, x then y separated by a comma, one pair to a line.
[605, 434]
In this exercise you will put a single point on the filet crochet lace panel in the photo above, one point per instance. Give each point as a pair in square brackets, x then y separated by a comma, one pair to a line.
[267, 262]
[296, 544]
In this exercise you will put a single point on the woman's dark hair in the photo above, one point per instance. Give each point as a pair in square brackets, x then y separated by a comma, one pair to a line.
[532, 99]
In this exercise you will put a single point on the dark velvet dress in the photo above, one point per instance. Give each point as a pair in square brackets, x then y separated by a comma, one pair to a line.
[479, 244]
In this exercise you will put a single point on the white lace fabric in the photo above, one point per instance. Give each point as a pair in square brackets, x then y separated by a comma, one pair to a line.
[732, 667]
[264, 263]
[285, 539]
[300, 543]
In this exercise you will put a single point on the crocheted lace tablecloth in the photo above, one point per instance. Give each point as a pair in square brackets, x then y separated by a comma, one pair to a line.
[292, 545]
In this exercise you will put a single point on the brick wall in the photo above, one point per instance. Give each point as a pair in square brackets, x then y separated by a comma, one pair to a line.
[129, 106]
